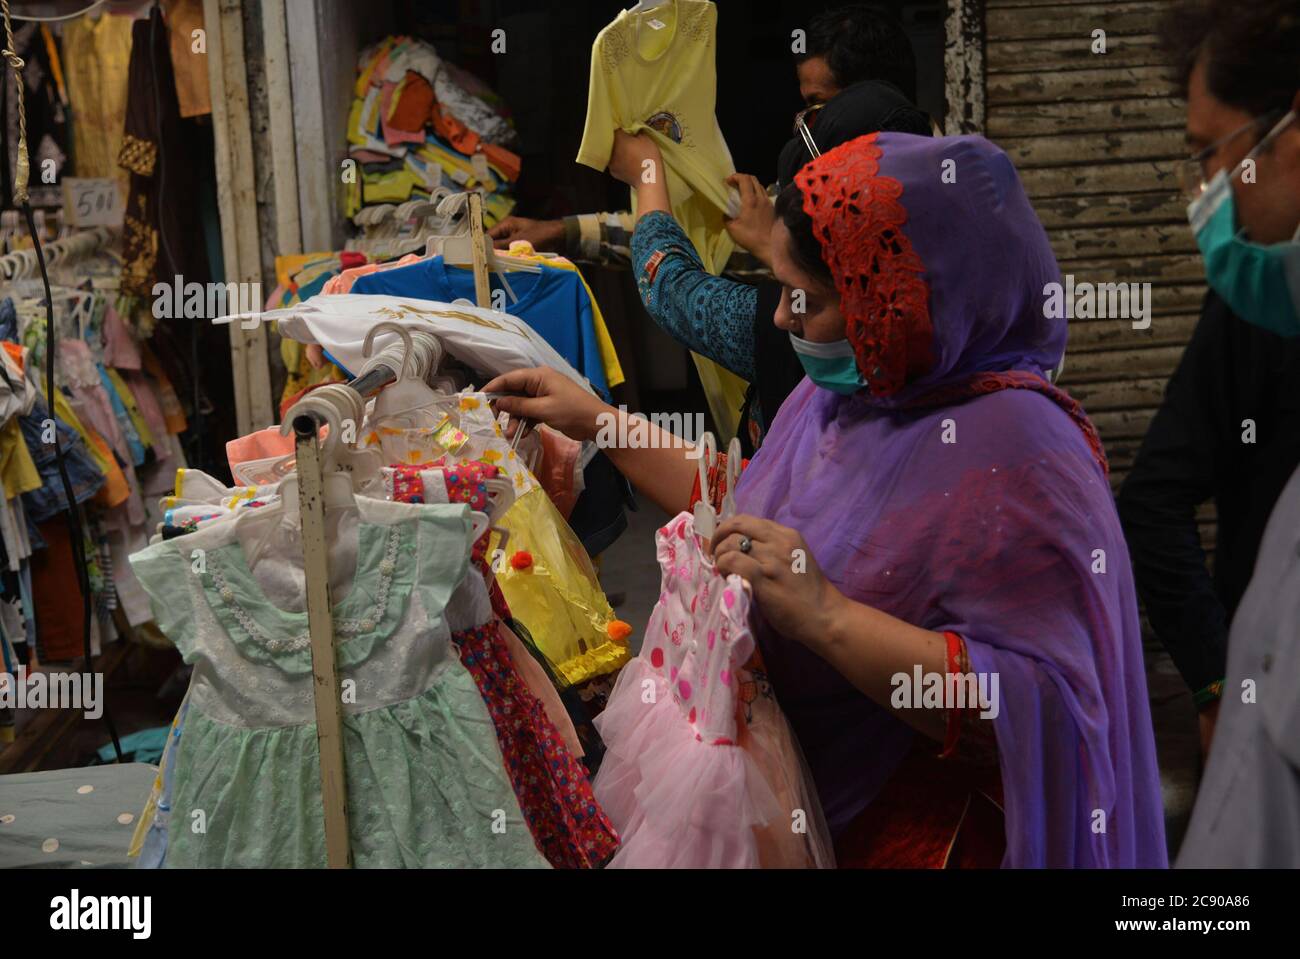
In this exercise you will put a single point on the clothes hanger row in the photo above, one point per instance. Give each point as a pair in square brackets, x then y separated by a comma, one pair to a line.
[22, 263]
[394, 229]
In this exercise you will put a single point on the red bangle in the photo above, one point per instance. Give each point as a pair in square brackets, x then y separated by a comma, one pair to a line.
[953, 662]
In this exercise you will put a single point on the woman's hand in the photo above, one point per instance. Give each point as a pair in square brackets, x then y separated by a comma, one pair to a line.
[552, 398]
[752, 226]
[866, 646]
[793, 595]
[627, 161]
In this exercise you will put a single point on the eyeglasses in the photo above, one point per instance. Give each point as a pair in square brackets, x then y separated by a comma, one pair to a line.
[803, 121]
[1191, 172]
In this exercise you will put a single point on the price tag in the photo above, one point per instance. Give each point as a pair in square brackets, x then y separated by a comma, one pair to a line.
[92, 201]
[479, 164]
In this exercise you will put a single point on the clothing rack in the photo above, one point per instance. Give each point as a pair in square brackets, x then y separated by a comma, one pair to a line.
[326, 691]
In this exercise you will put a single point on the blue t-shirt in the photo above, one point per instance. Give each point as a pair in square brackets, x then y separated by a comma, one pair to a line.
[553, 302]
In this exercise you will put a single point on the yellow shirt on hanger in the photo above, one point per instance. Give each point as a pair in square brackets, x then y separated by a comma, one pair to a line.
[654, 72]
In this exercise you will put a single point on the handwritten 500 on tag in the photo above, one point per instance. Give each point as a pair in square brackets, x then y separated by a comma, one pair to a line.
[92, 201]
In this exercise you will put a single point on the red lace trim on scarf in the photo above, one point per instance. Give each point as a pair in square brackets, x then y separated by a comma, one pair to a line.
[984, 383]
[885, 300]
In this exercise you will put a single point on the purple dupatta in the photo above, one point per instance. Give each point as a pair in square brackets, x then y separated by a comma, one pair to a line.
[989, 517]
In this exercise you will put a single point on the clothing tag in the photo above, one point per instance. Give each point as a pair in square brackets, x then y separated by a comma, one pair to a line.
[479, 164]
[449, 436]
[656, 24]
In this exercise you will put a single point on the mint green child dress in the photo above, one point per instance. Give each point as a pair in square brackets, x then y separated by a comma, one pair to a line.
[427, 786]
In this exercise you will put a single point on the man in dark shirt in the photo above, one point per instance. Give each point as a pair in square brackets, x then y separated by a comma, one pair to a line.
[1229, 426]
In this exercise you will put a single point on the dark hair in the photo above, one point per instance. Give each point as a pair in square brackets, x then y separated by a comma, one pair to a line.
[870, 106]
[863, 42]
[1251, 50]
[807, 249]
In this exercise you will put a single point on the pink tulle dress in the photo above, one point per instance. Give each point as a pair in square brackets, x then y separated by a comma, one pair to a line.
[689, 779]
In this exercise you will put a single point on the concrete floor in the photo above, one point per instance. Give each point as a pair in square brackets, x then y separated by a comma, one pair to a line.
[630, 567]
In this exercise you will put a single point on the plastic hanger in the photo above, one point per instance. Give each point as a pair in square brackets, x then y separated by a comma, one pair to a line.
[733, 477]
[337, 486]
[706, 520]
[410, 393]
[456, 249]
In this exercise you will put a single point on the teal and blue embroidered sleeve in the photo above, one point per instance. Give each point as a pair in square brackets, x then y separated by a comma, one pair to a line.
[711, 315]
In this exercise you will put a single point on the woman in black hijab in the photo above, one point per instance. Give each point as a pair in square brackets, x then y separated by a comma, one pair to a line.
[727, 321]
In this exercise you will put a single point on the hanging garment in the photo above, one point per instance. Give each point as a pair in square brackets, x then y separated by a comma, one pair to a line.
[608, 356]
[46, 109]
[191, 67]
[263, 456]
[549, 782]
[97, 54]
[676, 781]
[465, 484]
[653, 72]
[162, 236]
[149, 842]
[547, 579]
[60, 613]
[485, 340]
[426, 780]
[48, 501]
[553, 302]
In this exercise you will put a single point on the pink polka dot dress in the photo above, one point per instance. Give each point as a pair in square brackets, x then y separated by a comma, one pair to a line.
[675, 782]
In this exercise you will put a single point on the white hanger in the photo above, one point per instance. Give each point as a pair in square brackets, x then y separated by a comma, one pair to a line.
[336, 486]
[706, 520]
[733, 477]
[456, 249]
[410, 393]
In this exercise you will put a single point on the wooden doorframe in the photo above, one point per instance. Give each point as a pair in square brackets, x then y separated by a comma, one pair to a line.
[963, 61]
[237, 203]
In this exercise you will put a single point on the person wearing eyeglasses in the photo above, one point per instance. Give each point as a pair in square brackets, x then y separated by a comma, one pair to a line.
[725, 320]
[1229, 431]
[845, 45]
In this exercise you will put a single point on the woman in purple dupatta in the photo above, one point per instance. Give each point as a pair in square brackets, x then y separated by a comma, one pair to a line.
[932, 507]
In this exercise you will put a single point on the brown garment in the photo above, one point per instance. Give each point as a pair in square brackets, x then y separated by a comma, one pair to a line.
[162, 233]
[60, 615]
[190, 68]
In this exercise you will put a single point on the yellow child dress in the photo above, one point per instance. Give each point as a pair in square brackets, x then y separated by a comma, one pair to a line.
[544, 573]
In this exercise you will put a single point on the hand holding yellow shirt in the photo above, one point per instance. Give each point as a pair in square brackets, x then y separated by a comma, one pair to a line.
[654, 72]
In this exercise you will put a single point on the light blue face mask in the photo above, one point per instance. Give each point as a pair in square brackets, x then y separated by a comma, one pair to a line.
[1260, 282]
[832, 366]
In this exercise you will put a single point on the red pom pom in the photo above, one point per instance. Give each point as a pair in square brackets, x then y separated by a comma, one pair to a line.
[521, 559]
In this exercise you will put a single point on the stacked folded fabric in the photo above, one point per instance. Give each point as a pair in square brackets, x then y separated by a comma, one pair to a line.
[418, 123]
